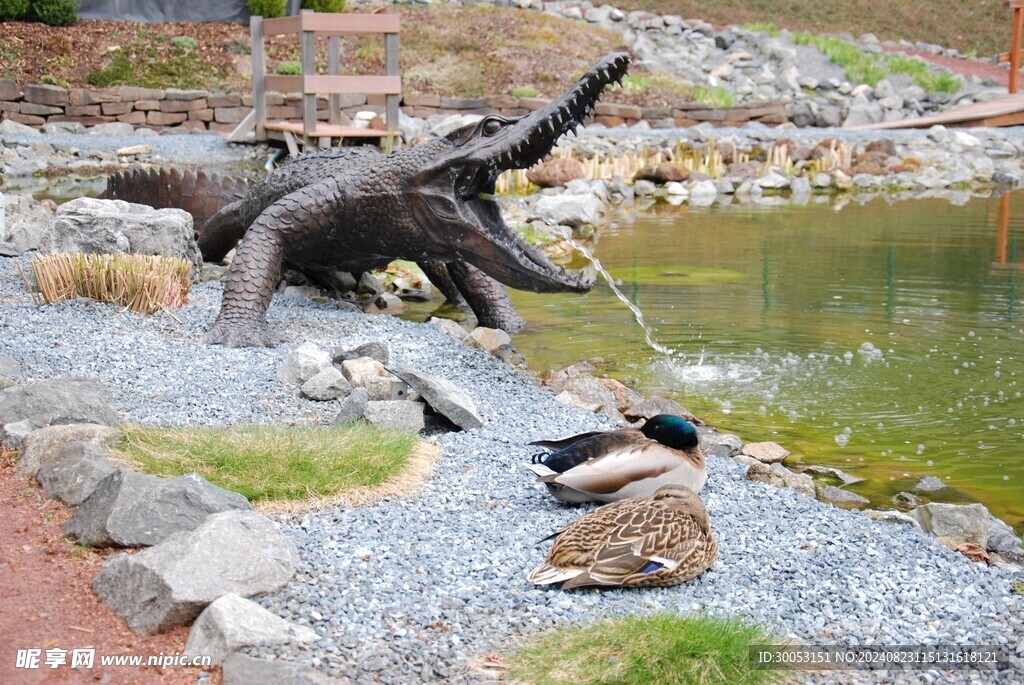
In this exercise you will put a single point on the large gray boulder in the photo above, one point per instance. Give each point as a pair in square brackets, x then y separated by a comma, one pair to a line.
[24, 408]
[328, 384]
[113, 226]
[302, 363]
[129, 509]
[10, 371]
[376, 349]
[443, 396]
[575, 211]
[1003, 541]
[955, 524]
[401, 414]
[241, 669]
[76, 473]
[353, 407]
[44, 445]
[26, 220]
[168, 585]
[232, 622]
[765, 452]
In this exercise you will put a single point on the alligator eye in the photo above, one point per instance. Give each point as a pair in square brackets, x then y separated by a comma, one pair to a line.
[491, 126]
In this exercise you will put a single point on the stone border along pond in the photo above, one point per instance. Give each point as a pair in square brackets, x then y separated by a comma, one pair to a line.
[414, 589]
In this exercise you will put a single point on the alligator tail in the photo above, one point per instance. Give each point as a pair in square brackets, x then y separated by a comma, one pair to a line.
[200, 194]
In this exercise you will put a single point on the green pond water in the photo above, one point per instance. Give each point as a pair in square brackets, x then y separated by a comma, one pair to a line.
[883, 339]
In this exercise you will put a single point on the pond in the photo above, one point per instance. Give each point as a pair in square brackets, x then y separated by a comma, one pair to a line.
[883, 339]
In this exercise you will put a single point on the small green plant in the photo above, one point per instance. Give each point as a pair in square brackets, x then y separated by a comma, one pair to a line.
[660, 648]
[56, 12]
[77, 550]
[370, 51]
[1018, 587]
[525, 92]
[762, 27]
[634, 83]
[268, 9]
[324, 5]
[239, 48]
[714, 97]
[272, 462]
[186, 42]
[13, 9]
[289, 68]
[48, 80]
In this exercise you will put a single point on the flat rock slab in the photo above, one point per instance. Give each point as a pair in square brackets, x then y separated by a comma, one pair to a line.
[168, 585]
[831, 472]
[129, 509]
[232, 622]
[378, 350]
[76, 473]
[240, 669]
[57, 401]
[779, 476]
[845, 497]
[115, 226]
[443, 396]
[44, 445]
[765, 452]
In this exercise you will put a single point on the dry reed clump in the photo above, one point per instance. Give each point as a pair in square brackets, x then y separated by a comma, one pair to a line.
[142, 283]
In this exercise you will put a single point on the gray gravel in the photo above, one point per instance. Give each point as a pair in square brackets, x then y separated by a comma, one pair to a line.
[414, 590]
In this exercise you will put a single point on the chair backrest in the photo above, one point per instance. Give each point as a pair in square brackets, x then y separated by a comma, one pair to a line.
[309, 26]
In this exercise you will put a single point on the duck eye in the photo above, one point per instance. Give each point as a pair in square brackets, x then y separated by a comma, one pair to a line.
[492, 126]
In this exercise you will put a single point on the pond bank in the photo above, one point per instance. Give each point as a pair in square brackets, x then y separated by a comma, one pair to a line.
[414, 589]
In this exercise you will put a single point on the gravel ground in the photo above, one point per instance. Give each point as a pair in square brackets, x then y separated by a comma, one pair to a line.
[414, 590]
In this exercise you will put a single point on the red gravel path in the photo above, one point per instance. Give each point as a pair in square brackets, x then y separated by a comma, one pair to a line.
[46, 601]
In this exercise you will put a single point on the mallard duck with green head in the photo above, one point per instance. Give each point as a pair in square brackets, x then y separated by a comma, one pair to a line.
[607, 466]
[664, 539]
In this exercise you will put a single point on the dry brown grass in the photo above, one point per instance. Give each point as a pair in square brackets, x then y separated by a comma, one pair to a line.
[142, 283]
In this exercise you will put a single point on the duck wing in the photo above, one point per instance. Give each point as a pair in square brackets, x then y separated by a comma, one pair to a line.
[630, 461]
[589, 448]
[649, 546]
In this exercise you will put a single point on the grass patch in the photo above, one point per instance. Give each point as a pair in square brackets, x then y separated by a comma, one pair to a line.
[289, 68]
[525, 92]
[1018, 588]
[863, 67]
[273, 464]
[276, 465]
[660, 648]
[762, 27]
[141, 283]
[714, 97]
[157, 64]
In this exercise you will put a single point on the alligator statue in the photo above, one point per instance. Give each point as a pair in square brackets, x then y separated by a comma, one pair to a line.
[354, 209]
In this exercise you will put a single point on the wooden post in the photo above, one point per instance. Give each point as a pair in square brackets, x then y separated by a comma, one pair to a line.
[391, 68]
[334, 69]
[259, 88]
[308, 69]
[1018, 30]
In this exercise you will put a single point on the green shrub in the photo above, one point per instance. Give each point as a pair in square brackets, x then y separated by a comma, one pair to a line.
[289, 68]
[187, 42]
[268, 9]
[56, 12]
[324, 5]
[13, 9]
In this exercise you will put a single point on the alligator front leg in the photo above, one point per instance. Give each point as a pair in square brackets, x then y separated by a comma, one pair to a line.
[437, 273]
[255, 271]
[486, 297]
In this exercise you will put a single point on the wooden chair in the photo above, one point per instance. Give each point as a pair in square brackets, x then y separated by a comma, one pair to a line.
[311, 25]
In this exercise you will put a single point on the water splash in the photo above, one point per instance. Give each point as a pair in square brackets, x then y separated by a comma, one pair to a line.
[637, 314]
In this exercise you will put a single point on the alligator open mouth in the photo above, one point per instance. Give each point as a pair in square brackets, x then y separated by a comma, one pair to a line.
[480, 153]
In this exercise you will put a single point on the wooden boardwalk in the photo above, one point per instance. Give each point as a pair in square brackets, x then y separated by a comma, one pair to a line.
[1007, 110]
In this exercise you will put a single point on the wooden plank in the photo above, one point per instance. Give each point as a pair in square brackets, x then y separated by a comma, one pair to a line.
[379, 85]
[1001, 111]
[244, 127]
[328, 130]
[259, 86]
[349, 24]
[283, 84]
[276, 27]
[308, 67]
